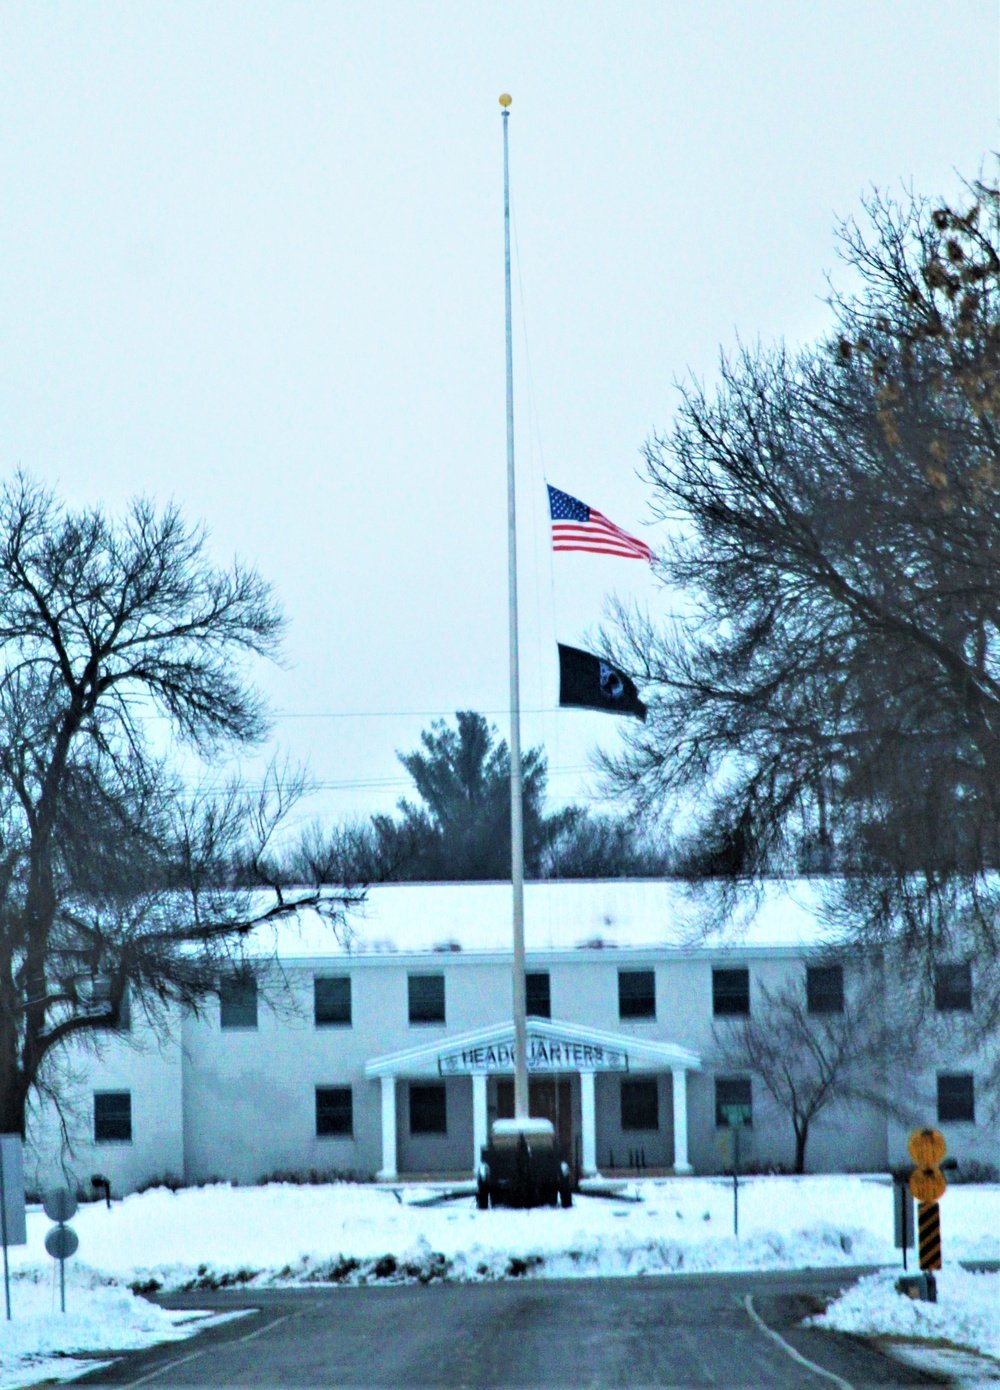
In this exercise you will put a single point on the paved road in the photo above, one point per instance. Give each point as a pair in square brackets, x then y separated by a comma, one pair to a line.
[678, 1331]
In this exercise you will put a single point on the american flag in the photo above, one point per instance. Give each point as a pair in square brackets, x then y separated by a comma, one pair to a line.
[575, 526]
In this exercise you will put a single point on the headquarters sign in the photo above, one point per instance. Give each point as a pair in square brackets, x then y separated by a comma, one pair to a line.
[544, 1054]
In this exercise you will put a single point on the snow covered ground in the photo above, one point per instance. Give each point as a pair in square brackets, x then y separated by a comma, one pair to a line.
[222, 1236]
[936, 1336]
[42, 1343]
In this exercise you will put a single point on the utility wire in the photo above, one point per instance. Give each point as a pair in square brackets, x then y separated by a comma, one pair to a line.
[376, 713]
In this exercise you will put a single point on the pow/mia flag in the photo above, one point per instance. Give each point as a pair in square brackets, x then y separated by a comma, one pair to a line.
[590, 682]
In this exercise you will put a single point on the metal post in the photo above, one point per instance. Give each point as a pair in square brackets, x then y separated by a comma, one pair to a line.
[904, 1193]
[516, 807]
[736, 1181]
[3, 1233]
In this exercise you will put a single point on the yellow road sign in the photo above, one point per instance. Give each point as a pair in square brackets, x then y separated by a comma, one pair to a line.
[927, 1147]
[927, 1184]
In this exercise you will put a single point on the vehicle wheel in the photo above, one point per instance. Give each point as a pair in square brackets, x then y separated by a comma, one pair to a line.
[482, 1198]
[566, 1196]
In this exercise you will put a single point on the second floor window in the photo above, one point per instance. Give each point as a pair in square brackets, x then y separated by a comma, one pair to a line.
[538, 993]
[238, 1001]
[97, 996]
[332, 1001]
[636, 994]
[426, 998]
[953, 987]
[730, 993]
[825, 989]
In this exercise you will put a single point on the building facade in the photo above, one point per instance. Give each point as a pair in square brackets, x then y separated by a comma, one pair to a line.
[387, 1054]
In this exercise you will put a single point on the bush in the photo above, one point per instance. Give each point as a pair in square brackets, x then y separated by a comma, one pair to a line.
[168, 1180]
[973, 1171]
[314, 1177]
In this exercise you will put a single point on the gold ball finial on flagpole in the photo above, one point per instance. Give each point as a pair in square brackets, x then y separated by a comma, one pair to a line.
[505, 101]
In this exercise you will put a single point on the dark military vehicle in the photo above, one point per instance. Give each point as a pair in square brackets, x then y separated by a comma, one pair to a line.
[523, 1166]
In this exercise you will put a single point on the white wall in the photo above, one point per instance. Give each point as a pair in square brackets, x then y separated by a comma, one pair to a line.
[241, 1104]
[143, 1062]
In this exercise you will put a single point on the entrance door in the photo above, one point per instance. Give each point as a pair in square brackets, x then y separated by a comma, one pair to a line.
[549, 1098]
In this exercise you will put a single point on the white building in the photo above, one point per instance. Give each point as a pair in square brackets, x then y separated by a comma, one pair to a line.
[388, 1055]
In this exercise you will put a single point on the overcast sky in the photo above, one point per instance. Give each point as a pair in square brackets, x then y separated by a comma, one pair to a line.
[251, 259]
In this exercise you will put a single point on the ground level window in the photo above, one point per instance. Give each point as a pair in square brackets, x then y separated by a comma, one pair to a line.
[956, 1099]
[640, 1105]
[112, 1117]
[334, 1112]
[732, 1090]
[428, 1110]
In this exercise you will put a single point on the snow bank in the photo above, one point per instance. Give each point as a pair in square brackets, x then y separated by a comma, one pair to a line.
[342, 1232]
[966, 1315]
[41, 1343]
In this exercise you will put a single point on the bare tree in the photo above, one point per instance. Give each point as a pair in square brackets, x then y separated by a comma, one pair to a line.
[807, 1061]
[829, 695]
[591, 845]
[115, 874]
[350, 853]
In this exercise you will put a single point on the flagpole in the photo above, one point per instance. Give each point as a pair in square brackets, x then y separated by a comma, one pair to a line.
[516, 801]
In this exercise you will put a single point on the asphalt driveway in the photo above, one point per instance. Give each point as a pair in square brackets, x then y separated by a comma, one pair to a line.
[675, 1331]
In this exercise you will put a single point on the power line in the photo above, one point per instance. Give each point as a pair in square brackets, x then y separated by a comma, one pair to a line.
[379, 713]
[395, 713]
[400, 783]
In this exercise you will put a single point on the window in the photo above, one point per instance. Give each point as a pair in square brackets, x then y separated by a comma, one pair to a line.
[334, 1112]
[640, 1105]
[956, 1097]
[238, 1002]
[539, 997]
[112, 1117]
[732, 1090]
[825, 989]
[730, 992]
[428, 1110]
[96, 993]
[426, 998]
[636, 994]
[332, 1000]
[953, 987]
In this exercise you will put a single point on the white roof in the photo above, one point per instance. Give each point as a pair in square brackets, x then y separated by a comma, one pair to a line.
[610, 914]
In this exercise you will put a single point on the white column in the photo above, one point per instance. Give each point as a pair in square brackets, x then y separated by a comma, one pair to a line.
[681, 1164]
[479, 1134]
[388, 1169]
[588, 1124]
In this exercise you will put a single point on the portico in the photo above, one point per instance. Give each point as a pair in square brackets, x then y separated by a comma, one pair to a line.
[555, 1050]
